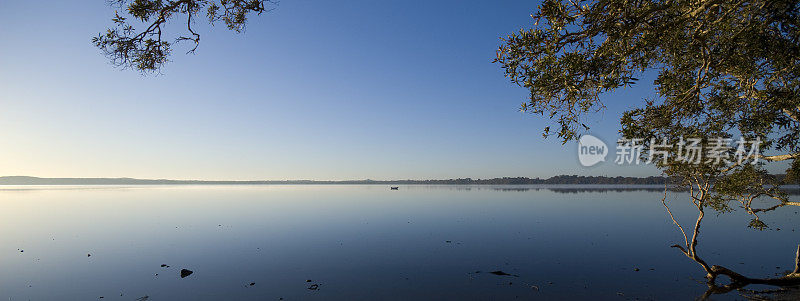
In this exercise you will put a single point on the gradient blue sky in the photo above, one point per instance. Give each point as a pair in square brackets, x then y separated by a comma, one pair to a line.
[313, 90]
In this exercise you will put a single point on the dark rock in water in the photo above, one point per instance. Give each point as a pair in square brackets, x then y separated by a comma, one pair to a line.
[88, 255]
[309, 280]
[21, 251]
[252, 283]
[501, 273]
[164, 266]
[185, 273]
[635, 269]
[314, 287]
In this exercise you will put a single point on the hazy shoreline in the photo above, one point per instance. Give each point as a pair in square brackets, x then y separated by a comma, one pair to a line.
[556, 180]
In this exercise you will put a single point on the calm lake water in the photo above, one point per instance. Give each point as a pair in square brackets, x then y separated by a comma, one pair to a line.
[364, 242]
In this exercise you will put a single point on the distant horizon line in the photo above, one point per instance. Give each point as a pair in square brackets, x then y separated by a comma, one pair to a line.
[558, 179]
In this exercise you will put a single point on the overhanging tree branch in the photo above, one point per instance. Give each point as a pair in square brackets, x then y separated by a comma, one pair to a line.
[147, 50]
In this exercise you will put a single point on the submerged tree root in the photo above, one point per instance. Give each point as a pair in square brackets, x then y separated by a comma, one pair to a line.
[791, 279]
[739, 281]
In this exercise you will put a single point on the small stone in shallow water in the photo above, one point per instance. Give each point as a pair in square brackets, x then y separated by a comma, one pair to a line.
[314, 287]
[501, 273]
[185, 273]
[164, 266]
[252, 283]
[309, 280]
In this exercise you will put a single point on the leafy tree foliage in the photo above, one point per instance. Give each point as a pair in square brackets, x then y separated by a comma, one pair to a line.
[724, 68]
[147, 49]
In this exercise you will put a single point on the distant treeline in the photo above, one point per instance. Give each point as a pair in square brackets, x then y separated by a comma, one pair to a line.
[559, 180]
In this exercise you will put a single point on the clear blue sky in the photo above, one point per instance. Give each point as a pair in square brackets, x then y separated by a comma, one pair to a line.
[313, 90]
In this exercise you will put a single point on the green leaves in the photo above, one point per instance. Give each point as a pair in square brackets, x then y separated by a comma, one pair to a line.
[793, 173]
[145, 9]
[147, 49]
[724, 68]
[579, 50]
[565, 64]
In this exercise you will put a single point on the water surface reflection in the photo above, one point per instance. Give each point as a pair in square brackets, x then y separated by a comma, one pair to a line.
[364, 242]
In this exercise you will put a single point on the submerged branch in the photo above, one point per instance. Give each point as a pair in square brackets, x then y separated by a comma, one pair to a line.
[713, 271]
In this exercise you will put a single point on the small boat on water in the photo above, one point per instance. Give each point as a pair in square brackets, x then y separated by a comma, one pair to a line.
[394, 188]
